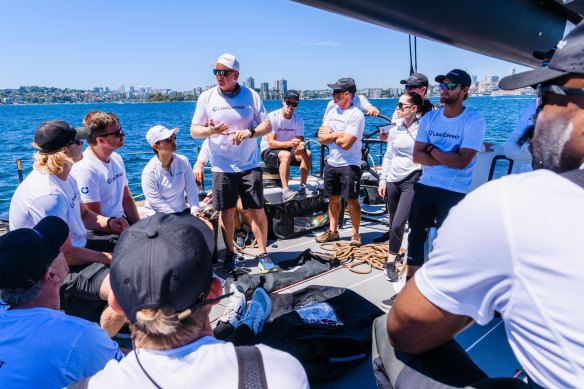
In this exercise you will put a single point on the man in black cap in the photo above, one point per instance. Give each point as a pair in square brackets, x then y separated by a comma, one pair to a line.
[447, 143]
[50, 190]
[359, 101]
[285, 145]
[41, 347]
[342, 130]
[162, 279]
[495, 253]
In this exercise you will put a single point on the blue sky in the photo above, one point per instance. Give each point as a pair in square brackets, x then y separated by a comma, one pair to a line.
[169, 44]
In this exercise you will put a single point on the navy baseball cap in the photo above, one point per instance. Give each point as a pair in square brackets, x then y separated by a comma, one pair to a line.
[163, 261]
[416, 79]
[27, 253]
[50, 136]
[457, 76]
[344, 84]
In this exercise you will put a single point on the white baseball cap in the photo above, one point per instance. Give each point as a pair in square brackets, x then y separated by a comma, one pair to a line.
[158, 133]
[228, 60]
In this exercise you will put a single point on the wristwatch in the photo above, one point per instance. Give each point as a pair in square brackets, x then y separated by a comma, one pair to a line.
[252, 130]
[109, 220]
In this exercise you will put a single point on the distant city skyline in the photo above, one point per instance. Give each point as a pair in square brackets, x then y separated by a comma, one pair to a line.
[170, 45]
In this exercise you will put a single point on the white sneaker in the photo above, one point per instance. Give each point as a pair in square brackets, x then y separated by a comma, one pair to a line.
[258, 312]
[235, 307]
[289, 194]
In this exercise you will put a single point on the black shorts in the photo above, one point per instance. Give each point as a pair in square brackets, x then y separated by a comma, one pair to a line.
[85, 281]
[247, 185]
[101, 241]
[270, 157]
[344, 181]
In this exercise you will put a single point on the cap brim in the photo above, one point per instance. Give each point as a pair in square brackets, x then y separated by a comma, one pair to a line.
[403, 82]
[55, 230]
[440, 78]
[334, 86]
[82, 133]
[530, 78]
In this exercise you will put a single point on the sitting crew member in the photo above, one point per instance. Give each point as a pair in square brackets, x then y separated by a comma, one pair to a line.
[492, 255]
[162, 279]
[342, 131]
[50, 190]
[101, 175]
[40, 346]
[285, 145]
[226, 115]
[168, 177]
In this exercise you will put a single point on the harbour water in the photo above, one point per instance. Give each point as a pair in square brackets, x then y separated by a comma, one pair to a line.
[19, 122]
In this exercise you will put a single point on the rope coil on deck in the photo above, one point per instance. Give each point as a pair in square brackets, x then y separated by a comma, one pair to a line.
[374, 255]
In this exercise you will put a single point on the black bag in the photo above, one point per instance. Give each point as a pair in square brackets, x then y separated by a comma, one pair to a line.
[306, 265]
[325, 350]
[295, 217]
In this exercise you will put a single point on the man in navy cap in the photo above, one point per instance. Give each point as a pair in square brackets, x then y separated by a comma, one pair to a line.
[447, 143]
[500, 250]
[40, 346]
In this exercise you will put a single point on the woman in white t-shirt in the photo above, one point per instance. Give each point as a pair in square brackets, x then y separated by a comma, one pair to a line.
[168, 178]
[400, 173]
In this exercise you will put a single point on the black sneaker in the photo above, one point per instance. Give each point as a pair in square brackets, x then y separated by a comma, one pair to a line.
[229, 262]
[250, 239]
[239, 238]
[387, 304]
[390, 271]
[382, 238]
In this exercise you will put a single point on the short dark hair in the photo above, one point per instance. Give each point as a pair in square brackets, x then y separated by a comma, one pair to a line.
[98, 122]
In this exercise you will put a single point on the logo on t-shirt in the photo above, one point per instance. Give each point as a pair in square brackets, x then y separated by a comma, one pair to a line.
[443, 134]
[85, 189]
[215, 109]
[110, 180]
[286, 129]
[72, 205]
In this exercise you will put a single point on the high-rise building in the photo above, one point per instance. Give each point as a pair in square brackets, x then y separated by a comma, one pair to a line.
[512, 71]
[474, 78]
[265, 90]
[492, 78]
[122, 88]
[131, 89]
[250, 82]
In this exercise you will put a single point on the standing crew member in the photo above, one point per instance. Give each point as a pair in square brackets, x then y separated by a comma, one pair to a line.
[227, 114]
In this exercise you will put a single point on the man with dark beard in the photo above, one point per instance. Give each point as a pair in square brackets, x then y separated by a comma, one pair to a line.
[497, 251]
[447, 143]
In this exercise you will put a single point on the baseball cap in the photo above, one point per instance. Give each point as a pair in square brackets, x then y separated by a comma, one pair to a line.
[344, 84]
[50, 136]
[27, 253]
[457, 76]
[417, 79]
[292, 93]
[158, 133]
[568, 58]
[228, 60]
[163, 261]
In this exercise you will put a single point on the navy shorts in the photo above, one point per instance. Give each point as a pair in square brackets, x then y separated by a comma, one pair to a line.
[344, 181]
[270, 157]
[227, 187]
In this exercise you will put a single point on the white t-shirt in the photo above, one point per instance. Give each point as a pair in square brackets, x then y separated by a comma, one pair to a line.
[285, 129]
[351, 121]
[44, 348]
[41, 195]
[521, 154]
[359, 101]
[205, 363]
[398, 161]
[205, 153]
[102, 182]
[165, 191]
[239, 113]
[499, 250]
[467, 130]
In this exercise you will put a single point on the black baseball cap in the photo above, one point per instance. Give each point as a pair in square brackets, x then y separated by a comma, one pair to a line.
[27, 253]
[50, 136]
[344, 84]
[163, 261]
[568, 58]
[457, 76]
[292, 93]
[416, 79]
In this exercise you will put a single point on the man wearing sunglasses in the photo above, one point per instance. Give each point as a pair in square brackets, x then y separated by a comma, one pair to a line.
[342, 131]
[496, 252]
[232, 116]
[50, 190]
[101, 175]
[285, 145]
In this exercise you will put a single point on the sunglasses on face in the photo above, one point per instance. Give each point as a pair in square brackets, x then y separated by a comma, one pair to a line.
[338, 91]
[402, 105]
[119, 133]
[170, 139]
[410, 87]
[449, 86]
[222, 72]
[291, 103]
[556, 89]
[77, 142]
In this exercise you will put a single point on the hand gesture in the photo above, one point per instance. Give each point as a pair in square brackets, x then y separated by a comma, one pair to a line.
[294, 143]
[218, 129]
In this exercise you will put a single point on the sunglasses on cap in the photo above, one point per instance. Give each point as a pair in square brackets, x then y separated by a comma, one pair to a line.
[170, 139]
[221, 72]
[288, 102]
[449, 86]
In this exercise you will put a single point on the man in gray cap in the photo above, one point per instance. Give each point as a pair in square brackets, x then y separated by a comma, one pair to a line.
[49, 190]
[40, 346]
[168, 303]
[285, 145]
[492, 254]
